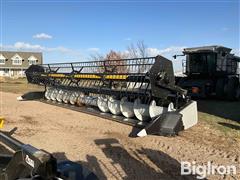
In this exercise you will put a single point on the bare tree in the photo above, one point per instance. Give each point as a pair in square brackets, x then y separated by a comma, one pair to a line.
[97, 64]
[97, 57]
[132, 51]
[138, 50]
[111, 62]
[142, 49]
[114, 62]
[113, 55]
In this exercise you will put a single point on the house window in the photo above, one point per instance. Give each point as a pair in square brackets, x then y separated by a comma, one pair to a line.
[31, 62]
[2, 59]
[17, 60]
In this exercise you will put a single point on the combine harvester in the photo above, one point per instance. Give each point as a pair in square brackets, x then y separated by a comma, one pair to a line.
[210, 71]
[140, 92]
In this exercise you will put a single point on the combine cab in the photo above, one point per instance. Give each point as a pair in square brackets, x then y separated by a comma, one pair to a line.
[210, 71]
[139, 92]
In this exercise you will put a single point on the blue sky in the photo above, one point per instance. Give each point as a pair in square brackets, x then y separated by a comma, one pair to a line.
[72, 30]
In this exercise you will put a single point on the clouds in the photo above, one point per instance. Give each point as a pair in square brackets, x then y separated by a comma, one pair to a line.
[35, 47]
[236, 52]
[61, 52]
[93, 50]
[224, 29]
[27, 46]
[42, 36]
[169, 51]
[151, 51]
[51, 54]
[128, 39]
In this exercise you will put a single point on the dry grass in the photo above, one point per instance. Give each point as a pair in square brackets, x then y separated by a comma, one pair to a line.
[19, 85]
[223, 116]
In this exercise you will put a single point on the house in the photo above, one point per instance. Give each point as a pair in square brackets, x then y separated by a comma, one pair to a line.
[14, 64]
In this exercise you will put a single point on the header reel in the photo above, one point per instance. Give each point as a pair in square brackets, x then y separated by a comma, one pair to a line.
[141, 89]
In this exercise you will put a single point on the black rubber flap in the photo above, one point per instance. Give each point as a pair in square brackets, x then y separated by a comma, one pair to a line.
[168, 124]
[171, 124]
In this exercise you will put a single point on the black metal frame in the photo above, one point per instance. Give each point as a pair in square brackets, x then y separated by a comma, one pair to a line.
[144, 78]
[26, 162]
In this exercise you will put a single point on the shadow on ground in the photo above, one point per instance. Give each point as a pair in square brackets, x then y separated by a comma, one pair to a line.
[134, 132]
[30, 96]
[142, 164]
[232, 126]
[92, 163]
[224, 109]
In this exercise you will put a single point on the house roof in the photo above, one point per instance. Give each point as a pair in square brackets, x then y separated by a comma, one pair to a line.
[2, 56]
[16, 56]
[23, 55]
[32, 57]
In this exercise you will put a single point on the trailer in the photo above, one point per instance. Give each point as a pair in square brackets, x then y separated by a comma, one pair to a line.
[210, 71]
[140, 92]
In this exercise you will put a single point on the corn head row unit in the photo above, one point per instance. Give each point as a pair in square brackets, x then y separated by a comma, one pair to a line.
[140, 91]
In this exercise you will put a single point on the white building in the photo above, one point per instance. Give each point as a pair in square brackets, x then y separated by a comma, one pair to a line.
[14, 64]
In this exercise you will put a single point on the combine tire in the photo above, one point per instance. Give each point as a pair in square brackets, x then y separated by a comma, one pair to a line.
[238, 93]
[231, 89]
[220, 88]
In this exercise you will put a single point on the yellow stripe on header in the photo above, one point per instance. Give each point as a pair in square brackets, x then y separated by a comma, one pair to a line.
[87, 76]
[117, 77]
[91, 76]
[57, 75]
[1, 122]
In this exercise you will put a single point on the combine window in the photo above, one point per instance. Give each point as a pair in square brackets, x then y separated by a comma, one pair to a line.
[202, 63]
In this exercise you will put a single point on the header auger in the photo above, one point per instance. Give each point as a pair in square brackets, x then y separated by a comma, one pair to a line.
[140, 91]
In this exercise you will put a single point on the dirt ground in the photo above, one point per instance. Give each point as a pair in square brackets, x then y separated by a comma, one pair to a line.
[106, 148]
